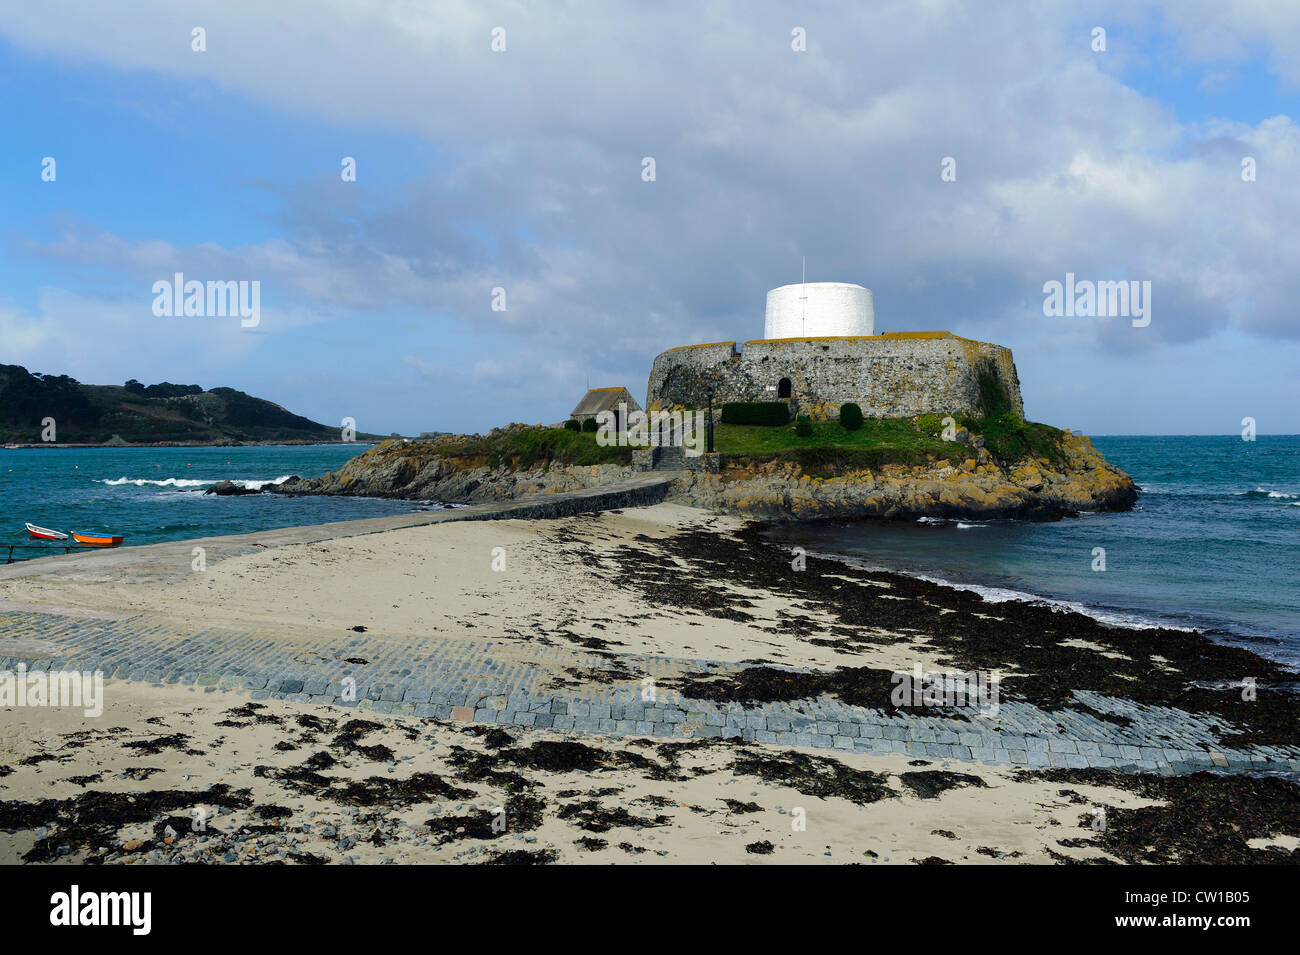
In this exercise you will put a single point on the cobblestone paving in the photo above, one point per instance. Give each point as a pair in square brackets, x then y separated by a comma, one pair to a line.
[462, 679]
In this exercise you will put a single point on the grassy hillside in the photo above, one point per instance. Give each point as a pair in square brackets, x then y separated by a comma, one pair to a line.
[140, 414]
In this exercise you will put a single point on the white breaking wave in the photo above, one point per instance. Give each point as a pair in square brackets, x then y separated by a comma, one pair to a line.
[1282, 495]
[261, 483]
[190, 482]
[997, 595]
[966, 527]
[166, 482]
[1133, 621]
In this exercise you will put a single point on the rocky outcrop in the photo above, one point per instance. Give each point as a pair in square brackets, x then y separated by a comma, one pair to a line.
[231, 489]
[414, 472]
[975, 488]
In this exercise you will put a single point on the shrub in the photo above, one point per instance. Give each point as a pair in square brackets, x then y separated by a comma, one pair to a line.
[994, 400]
[850, 416]
[589, 424]
[573, 425]
[931, 424]
[803, 426]
[768, 413]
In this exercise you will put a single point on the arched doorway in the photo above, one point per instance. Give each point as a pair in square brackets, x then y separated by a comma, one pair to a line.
[783, 388]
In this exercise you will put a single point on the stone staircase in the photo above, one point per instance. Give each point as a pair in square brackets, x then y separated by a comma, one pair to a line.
[671, 458]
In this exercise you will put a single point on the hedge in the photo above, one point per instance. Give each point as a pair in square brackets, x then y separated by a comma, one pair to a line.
[850, 416]
[589, 424]
[768, 413]
[803, 426]
[573, 425]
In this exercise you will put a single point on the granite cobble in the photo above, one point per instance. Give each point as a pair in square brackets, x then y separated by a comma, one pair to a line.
[434, 677]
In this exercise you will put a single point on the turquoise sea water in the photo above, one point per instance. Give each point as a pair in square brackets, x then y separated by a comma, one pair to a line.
[1213, 543]
[156, 494]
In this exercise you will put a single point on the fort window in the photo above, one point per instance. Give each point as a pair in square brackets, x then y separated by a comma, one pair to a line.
[783, 388]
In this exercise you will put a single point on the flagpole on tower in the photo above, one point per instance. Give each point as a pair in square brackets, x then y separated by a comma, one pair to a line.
[803, 299]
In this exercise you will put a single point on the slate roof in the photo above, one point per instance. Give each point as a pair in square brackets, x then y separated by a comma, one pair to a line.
[604, 399]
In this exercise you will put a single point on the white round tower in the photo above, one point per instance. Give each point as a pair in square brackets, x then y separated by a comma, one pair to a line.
[819, 310]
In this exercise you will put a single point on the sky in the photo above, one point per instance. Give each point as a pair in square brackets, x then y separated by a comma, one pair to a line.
[523, 170]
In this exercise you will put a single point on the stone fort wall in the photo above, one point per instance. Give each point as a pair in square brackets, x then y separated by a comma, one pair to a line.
[894, 375]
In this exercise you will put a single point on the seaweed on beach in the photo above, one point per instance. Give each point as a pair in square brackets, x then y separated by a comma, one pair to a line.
[522, 857]
[857, 686]
[348, 740]
[92, 820]
[251, 712]
[593, 817]
[372, 791]
[153, 747]
[563, 756]
[496, 738]
[815, 776]
[484, 768]
[523, 813]
[931, 783]
[1202, 818]
[1044, 652]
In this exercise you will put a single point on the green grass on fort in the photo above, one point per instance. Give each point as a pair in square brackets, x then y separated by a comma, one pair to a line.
[830, 448]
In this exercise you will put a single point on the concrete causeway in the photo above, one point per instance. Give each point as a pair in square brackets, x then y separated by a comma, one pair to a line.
[171, 559]
[491, 682]
[467, 680]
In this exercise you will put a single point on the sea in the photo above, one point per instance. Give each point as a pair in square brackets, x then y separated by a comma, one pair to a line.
[1213, 543]
[150, 495]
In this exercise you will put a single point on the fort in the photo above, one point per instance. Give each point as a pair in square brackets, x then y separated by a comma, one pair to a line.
[820, 351]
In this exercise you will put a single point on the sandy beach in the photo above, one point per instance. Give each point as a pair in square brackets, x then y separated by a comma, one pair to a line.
[592, 617]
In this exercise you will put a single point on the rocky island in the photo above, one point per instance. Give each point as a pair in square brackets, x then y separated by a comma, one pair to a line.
[823, 417]
[807, 481]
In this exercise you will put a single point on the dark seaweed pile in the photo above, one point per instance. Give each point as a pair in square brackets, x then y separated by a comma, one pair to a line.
[1203, 818]
[697, 569]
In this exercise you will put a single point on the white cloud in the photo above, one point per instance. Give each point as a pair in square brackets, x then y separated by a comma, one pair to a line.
[764, 155]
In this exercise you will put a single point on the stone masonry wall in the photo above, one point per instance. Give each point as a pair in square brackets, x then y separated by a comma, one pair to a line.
[891, 375]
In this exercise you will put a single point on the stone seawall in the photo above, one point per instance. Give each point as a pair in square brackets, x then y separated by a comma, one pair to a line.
[890, 376]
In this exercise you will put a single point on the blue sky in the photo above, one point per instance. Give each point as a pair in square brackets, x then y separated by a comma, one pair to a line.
[522, 170]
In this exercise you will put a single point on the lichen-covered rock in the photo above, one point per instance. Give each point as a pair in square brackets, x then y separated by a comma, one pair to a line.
[976, 488]
[412, 472]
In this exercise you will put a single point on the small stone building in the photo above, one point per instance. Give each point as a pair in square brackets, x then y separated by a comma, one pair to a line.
[605, 399]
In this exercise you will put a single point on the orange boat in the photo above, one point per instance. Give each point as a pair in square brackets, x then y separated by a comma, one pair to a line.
[97, 540]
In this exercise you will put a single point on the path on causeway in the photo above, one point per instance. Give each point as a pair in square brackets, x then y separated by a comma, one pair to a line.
[491, 681]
